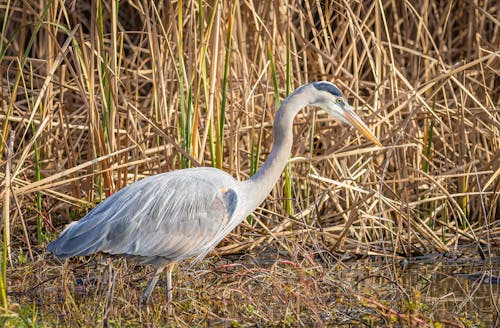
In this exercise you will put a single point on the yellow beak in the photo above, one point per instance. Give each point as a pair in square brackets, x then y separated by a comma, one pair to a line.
[356, 121]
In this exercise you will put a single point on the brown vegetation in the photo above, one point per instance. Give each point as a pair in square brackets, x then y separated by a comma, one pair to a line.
[97, 96]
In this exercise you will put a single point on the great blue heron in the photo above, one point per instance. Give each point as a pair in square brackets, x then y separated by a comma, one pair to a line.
[173, 216]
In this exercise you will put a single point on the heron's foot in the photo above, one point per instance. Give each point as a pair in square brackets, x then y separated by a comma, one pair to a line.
[146, 295]
[151, 285]
[168, 300]
[145, 299]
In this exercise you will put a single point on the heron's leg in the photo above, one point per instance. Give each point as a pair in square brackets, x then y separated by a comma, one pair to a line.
[111, 289]
[152, 283]
[168, 288]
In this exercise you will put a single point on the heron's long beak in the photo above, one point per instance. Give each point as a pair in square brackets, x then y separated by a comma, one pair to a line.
[356, 121]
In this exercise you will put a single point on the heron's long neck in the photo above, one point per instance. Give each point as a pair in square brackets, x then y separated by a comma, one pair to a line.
[261, 184]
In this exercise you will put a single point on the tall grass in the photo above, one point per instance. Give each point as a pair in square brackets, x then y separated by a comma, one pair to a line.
[100, 95]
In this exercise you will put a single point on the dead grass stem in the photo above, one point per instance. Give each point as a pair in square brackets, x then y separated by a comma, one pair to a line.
[99, 95]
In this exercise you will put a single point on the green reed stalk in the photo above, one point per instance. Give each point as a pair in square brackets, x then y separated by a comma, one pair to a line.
[427, 207]
[428, 146]
[3, 277]
[204, 76]
[104, 73]
[11, 103]
[39, 221]
[288, 174]
[180, 66]
[24, 58]
[274, 77]
[222, 117]
[187, 128]
[106, 94]
[6, 223]
[3, 50]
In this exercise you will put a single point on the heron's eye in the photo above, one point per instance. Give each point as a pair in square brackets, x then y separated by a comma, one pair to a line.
[340, 101]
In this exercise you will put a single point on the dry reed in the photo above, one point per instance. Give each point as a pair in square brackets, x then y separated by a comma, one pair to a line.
[101, 95]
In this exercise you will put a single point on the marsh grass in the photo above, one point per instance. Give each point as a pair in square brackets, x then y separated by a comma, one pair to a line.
[98, 96]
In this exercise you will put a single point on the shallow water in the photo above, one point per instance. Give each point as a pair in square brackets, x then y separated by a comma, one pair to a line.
[444, 287]
[331, 290]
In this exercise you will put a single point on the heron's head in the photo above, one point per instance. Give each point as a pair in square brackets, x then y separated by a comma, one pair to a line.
[327, 96]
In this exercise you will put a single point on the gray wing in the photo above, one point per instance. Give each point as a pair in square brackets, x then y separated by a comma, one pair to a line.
[172, 216]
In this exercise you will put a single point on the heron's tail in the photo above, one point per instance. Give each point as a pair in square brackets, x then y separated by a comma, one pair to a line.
[76, 240]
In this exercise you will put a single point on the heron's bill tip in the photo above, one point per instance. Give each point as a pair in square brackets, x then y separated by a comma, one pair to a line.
[356, 121]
